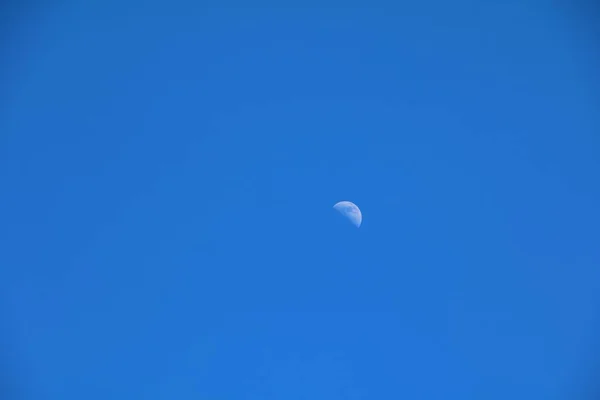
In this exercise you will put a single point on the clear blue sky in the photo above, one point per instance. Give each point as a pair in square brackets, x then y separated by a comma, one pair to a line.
[168, 172]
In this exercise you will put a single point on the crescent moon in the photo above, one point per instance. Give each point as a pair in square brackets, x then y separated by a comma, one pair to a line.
[349, 210]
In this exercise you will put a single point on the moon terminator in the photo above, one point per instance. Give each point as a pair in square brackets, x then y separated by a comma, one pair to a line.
[349, 210]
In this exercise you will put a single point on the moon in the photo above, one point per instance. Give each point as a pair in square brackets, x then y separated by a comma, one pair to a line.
[349, 210]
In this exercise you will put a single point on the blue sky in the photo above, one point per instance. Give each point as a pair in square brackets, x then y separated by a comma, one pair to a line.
[168, 175]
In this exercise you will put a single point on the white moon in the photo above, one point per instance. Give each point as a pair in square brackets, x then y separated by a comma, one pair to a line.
[350, 211]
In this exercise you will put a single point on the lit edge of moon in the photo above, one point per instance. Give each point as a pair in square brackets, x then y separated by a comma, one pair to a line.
[349, 210]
